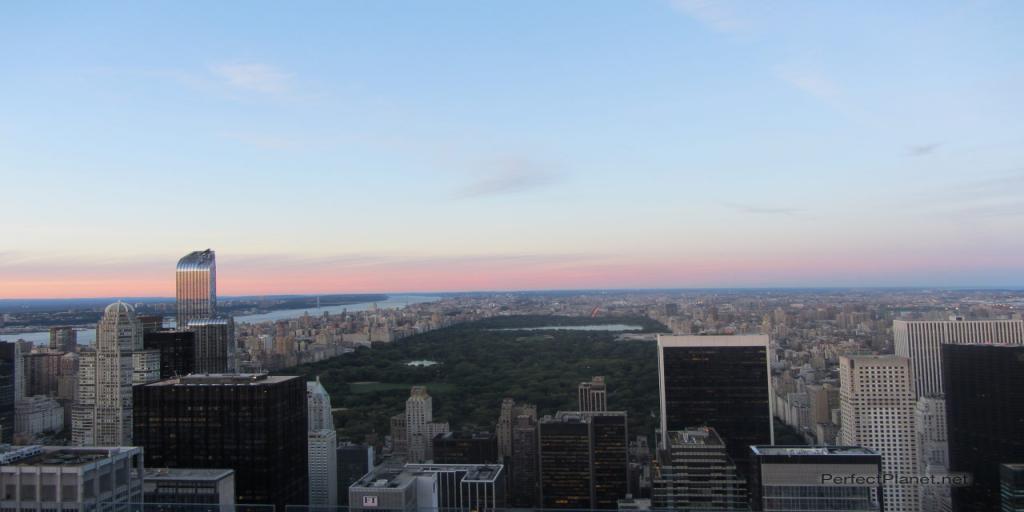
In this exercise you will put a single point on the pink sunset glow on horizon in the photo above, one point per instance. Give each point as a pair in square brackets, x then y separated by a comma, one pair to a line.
[273, 275]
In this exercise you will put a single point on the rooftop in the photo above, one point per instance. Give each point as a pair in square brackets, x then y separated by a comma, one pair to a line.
[385, 477]
[694, 436]
[715, 340]
[187, 474]
[797, 451]
[224, 379]
[474, 472]
[197, 260]
[66, 455]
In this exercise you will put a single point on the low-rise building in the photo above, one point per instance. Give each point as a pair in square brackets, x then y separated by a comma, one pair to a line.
[175, 486]
[70, 478]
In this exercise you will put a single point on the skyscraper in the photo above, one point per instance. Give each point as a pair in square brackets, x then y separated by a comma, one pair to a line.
[593, 395]
[354, 461]
[503, 431]
[524, 474]
[465, 448]
[420, 425]
[721, 382]
[564, 457]
[9, 355]
[103, 414]
[933, 450]
[177, 351]
[253, 424]
[877, 401]
[984, 387]
[196, 287]
[695, 472]
[584, 459]
[920, 340]
[214, 344]
[322, 446]
[609, 448]
[64, 339]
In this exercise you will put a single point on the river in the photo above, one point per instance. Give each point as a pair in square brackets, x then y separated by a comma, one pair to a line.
[86, 335]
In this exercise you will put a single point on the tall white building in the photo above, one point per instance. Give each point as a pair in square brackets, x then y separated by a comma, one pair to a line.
[919, 341]
[322, 447]
[877, 402]
[420, 425]
[103, 414]
[593, 395]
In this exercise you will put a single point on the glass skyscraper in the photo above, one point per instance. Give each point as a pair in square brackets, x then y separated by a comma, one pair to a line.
[196, 287]
[984, 387]
[720, 382]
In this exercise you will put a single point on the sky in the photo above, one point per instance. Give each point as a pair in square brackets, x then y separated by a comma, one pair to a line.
[385, 146]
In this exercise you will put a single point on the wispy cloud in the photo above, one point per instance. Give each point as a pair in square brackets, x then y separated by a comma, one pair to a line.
[923, 149]
[764, 210]
[716, 14]
[511, 176]
[253, 77]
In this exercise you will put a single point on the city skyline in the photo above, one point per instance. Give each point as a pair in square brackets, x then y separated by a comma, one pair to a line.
[535, 145]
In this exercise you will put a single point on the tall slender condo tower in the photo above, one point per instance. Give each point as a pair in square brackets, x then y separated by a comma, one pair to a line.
[103, 414]
[196, 284]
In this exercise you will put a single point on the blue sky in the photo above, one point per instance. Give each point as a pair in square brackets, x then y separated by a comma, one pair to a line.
[350, 146]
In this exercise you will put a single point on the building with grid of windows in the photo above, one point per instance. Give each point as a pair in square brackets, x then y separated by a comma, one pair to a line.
[593, 395]
[70, 478]
[177, 351]
[876, 397]
[815, 479]
[163, 488]
[102, 416]
[322, 445]
[254, 424]
[583, 459]
[984, 387]
[465, 448]
[695, 472]
[722, 382]
[920, 341]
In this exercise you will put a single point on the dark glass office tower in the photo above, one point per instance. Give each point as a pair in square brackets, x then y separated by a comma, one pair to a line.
[609, 444]
[565, 478]
[177, 351]
[465, 448]
[253, 424]
[721, 382]
[8, 358]
[524, 473]
[984, 388]
[584, 460]
[354, 461]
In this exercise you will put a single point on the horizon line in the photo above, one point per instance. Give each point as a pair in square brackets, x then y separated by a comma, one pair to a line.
[1019, 287]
